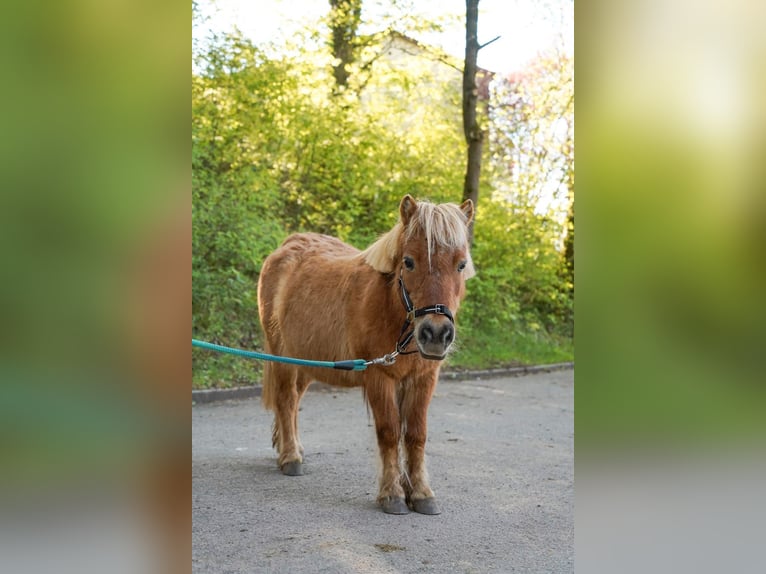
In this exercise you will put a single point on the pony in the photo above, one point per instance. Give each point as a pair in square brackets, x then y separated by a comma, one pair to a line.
[322, 299]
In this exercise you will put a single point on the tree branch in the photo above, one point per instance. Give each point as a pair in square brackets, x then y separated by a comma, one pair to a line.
[484, 45]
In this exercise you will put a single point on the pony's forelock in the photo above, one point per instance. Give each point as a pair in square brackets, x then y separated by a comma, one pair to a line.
[382, 254]
[444, 224]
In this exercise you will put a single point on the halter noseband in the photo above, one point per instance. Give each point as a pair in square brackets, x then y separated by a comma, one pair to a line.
[405, 336]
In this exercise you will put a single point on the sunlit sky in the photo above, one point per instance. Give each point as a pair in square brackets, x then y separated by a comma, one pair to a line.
[525, 27]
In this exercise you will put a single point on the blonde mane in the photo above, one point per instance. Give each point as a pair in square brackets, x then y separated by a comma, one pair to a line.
[444, 225]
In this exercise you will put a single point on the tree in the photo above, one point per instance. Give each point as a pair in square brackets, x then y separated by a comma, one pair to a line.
[532, 116]
[345, 16]
[474, 134]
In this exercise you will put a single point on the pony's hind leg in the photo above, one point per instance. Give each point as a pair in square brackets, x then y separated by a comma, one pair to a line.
[302, 383]
[284, 401]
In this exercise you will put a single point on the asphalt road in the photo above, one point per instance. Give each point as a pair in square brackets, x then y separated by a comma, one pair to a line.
[500, 456]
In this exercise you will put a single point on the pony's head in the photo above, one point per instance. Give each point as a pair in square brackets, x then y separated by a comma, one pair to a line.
[428, 248]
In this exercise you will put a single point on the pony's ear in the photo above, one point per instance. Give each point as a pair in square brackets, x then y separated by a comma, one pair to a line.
[467, 208]
[407, 208]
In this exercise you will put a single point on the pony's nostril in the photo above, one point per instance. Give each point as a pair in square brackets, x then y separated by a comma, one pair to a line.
[447, 335]
[439, 335]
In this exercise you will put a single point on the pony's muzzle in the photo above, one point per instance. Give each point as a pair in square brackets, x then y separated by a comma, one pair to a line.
[434, 338]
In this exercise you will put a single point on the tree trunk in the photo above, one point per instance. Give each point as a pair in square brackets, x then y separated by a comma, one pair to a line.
[474, 136]
[345, 16]
[569, 245]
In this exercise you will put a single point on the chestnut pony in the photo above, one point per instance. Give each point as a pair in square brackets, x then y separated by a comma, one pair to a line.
[324, 300]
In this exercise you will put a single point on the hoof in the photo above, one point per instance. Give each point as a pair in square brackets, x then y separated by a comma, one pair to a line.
[292, 468]
[393, 505]
[426, 506]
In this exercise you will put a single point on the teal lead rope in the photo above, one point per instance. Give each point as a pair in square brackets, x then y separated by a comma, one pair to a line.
[352, 365]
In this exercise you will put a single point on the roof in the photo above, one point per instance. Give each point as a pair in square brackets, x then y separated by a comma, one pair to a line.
[483, 76]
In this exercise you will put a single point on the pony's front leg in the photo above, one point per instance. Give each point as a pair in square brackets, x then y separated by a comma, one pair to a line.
[381, 396]
[414, 405]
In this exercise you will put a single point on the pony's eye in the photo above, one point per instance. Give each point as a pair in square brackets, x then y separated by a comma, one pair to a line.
[409, 263]
[461, 266]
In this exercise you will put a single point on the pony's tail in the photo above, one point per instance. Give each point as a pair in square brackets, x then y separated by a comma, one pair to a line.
[268, 392]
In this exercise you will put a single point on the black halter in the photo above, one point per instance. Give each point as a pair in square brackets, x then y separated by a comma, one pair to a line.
[405, 336]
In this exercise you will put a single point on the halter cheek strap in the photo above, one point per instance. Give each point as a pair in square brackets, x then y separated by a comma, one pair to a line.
[406, 334]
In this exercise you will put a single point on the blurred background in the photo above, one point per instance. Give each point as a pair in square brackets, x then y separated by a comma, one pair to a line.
[95, 241]
[671, 266]
[670, 281]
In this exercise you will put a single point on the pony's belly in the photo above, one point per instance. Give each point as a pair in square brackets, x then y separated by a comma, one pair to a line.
[336, 378]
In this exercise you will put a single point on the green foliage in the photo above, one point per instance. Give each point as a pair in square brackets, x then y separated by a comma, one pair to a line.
[235, 200]
[519, 286]
[276, 150]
